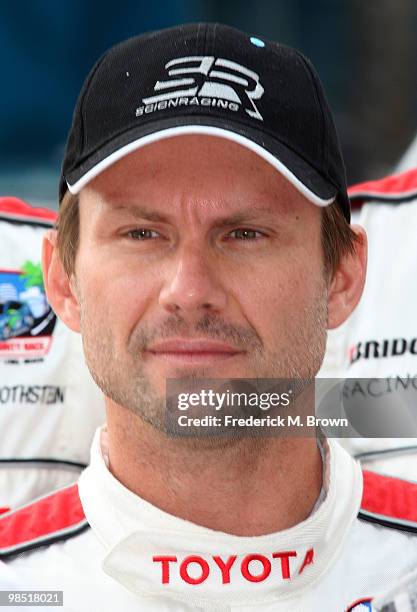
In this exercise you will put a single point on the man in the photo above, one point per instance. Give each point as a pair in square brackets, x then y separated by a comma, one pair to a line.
[44, 384]
[204, 234]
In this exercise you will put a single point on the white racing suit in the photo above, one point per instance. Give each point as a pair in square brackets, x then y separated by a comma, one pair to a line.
[107, 549]
[49, 405]
[379, 340]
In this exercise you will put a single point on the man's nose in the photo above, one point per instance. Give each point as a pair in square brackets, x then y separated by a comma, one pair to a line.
[193, 283]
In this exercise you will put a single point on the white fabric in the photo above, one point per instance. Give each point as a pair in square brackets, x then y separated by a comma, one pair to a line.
[387, 310]
[42, 427]
[110, 566]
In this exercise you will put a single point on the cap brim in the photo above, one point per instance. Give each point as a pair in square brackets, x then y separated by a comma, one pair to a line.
[294, 168]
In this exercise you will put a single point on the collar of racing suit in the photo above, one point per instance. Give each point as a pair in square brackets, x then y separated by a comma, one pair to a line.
[153, 553]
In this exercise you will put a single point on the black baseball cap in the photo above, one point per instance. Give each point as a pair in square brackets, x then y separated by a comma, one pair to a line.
[212, 79]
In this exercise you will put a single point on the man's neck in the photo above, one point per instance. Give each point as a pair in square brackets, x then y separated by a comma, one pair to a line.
[245, 487]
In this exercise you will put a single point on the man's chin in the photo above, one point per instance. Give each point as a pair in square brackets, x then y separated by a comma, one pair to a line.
[194, 371]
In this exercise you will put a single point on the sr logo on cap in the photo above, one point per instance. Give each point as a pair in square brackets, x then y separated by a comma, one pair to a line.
[206, 81]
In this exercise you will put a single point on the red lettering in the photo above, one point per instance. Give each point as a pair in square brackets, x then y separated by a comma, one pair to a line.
[225, 567]
[165, 566]
[32, 346]
[308, 559]
[245, 568]
[184, 569]
[285, 562]
[8, 346]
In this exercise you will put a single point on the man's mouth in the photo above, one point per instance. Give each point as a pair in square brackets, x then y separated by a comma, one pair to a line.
[192, 351]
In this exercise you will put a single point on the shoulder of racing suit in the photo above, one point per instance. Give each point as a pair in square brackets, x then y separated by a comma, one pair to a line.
[51, 518]
[389, 502]
[394, 189]
[15, 210]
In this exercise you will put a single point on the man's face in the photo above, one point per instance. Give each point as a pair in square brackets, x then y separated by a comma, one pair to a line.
[197, 259]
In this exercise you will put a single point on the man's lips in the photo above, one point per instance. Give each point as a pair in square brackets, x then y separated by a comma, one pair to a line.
[192, 351]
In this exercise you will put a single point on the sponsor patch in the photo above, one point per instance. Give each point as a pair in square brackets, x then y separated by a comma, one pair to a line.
[32, 394]
[26, 319]
[379, 349]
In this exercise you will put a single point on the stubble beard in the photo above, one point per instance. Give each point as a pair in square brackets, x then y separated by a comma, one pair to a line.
[124, 378]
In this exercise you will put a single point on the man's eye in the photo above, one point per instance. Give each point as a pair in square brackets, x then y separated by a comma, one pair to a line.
[245, 234]
[143, 234]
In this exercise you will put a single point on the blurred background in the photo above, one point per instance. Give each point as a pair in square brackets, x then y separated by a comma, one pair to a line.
[364, 51]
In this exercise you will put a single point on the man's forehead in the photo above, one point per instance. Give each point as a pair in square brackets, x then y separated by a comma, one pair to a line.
[231, 207]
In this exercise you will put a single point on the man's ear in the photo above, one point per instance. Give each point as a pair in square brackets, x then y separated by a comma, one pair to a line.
[347, 284]
[59, 288]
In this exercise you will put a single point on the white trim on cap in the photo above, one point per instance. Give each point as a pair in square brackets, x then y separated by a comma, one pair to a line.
[198, 129]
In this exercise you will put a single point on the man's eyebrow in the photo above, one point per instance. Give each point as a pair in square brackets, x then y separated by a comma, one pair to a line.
[141, 212]
[243, 216]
